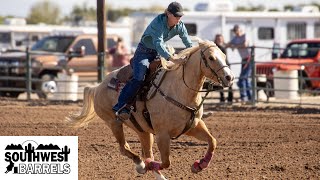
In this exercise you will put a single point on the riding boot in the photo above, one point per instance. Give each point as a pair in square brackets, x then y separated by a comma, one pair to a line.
[127, 94]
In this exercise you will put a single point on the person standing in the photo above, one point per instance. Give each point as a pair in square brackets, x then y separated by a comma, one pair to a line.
[120, 54]
[240, 43]
[162, 28]
[219, 41]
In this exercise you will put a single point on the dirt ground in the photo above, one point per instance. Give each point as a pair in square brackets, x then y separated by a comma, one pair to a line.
[253, 142]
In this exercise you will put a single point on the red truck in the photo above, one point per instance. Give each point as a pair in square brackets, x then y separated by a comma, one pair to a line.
[302, 55]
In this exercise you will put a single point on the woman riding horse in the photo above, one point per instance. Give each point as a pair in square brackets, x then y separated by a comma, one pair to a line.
[169, 108]
[161, 29]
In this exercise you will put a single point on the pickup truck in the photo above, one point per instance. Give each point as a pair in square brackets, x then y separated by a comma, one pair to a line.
[78, 52]
[302, 55]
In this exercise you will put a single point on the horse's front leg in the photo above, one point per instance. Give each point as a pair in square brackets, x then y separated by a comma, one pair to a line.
[146, 140]
[163, 143]
[202, 133]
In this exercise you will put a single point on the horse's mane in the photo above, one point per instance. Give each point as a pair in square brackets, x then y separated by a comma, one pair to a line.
[186, 53]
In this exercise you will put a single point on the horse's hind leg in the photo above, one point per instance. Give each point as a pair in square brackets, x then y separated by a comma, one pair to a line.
[202, 133]
[117, 130]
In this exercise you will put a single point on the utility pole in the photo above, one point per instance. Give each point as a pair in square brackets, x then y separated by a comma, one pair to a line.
[101, 21]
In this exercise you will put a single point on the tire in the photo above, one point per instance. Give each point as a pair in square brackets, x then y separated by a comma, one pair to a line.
[270, 91]
[46, 86]
[14, 94]
[303, 83]
[10, 94]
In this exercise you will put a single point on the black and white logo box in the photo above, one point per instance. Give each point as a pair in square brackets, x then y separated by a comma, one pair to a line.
[39, 157]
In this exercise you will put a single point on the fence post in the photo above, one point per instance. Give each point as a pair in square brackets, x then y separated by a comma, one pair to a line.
[28, 74]
[253, 77]
[101, 25]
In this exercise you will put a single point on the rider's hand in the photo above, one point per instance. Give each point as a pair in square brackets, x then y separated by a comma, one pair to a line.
[177, 60]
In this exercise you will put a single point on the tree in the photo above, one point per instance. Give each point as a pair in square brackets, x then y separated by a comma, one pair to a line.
[44, 12]
[2, 19]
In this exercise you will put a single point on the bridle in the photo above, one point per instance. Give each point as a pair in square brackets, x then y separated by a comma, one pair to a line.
[205, 61]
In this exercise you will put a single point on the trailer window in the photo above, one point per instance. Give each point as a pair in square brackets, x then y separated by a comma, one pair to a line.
[192, 29]
[296, 30]
[317, 30]
[5, 37]
[265, 33]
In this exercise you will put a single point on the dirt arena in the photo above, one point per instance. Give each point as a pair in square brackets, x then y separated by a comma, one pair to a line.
[253, 143]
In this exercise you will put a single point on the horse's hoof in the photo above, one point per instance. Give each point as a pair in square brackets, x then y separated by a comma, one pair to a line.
[195, 168]
[141, 168]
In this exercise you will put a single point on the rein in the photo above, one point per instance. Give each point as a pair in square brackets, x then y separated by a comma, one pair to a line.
[203, 58]
[192, 110]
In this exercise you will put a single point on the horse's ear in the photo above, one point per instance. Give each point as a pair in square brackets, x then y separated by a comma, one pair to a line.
[196, 38]
[202, 43]
[170, 49]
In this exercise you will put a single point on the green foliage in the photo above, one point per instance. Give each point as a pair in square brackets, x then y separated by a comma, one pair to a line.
[114, 14]
[254, 8]
[288, 8]
[1, 19]
[83, 12]
[44, 12]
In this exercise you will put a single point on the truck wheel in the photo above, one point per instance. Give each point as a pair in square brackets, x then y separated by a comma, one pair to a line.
[303, 82]
[269, 92]
[14, 94]
[10, 94]
[46, 86]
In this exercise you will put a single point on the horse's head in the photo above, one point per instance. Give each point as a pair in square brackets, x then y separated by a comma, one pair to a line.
[213, 64]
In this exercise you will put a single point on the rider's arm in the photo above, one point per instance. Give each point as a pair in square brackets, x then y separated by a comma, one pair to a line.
[183, 34]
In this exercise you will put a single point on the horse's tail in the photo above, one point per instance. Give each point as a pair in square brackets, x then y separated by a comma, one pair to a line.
[87, 113]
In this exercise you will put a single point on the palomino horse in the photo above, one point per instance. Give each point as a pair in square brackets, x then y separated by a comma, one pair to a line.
[169, 109]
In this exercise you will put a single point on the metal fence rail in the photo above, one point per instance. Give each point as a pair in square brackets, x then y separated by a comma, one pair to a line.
[308, 97]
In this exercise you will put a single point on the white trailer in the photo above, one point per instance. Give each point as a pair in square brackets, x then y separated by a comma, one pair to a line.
[18, 37]
[263, 29]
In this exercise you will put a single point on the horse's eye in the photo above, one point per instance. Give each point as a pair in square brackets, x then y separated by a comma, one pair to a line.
[211, 58]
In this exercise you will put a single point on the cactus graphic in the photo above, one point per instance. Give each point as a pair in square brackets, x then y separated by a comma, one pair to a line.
[29, 150]
[10, 167]
[65, 151]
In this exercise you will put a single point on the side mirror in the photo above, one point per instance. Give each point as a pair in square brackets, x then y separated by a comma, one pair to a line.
[81, 51]
[275, 51]
[318, 56]
[18, 43]
[78, 52]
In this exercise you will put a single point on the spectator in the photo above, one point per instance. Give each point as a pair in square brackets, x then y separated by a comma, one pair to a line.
[240, 43]
[120, 54]
[219, 40]
[162, 28]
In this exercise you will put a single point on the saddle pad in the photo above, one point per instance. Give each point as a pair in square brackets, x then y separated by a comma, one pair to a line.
[125, 74]
[115, 84]
[157, 81]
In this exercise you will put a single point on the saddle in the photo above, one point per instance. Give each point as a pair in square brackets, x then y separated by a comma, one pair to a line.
[155, 74]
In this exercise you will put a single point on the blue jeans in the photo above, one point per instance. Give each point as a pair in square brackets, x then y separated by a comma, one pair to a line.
[244, 83]
[140, 64]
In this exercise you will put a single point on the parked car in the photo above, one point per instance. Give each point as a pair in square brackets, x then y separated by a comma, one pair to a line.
[302, 55]
[78, 52]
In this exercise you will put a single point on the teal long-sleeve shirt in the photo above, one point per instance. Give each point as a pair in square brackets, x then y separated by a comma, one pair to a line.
[158, 32]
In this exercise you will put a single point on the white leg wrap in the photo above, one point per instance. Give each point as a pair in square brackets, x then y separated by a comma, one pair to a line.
[159, 176]
[141, 168]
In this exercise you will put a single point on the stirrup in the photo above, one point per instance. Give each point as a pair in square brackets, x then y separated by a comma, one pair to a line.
[123, 113]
